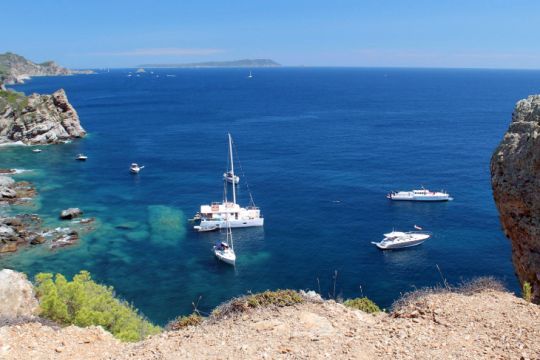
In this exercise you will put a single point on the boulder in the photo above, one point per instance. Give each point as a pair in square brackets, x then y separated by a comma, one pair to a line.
[17, 297]
[70, 213]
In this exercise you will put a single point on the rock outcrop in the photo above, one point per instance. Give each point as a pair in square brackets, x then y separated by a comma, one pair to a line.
[38, 119]
[17, 297]
[70, 213]
[515, 177]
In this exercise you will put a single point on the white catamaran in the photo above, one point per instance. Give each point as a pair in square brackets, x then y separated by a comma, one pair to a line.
[215, 216]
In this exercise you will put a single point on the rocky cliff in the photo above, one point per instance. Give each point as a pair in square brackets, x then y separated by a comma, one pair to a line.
[515, 173]
[38, 119]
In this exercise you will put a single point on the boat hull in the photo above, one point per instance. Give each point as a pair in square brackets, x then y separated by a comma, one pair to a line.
[431, 199]
[209, 225]
[382, 246]
[228, 257]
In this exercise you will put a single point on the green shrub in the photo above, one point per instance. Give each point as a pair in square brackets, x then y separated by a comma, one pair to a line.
[83, 302]
[527, 291]
[184, 321]
[363, 304]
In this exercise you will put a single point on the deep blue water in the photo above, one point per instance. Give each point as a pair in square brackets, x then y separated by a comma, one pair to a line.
[320, 149]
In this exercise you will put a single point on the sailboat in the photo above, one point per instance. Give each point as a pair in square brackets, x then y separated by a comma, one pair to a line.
[217, 215]
[250, 75]
[224, 251]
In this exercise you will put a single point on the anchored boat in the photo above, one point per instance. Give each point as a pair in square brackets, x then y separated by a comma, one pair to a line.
[216, 215]
[231, 178]
[419, 195]
[399, 240]
[135, 168]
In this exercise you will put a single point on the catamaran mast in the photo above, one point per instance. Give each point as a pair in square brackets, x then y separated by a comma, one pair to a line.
[232, 168]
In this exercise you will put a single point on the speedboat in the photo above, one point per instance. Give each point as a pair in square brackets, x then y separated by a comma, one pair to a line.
[37, 150]
[81, 157]
[135, 168]
[399, 240]
[419, 195]
[231, 178]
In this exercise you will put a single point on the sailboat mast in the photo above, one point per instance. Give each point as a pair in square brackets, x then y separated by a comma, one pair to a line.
[232, 168]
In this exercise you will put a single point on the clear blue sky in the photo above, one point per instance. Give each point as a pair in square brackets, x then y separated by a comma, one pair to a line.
[118, 33]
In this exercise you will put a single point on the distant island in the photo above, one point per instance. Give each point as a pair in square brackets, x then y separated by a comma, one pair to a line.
[252, 63]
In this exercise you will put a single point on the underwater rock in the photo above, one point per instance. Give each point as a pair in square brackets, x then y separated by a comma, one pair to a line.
[167, 225]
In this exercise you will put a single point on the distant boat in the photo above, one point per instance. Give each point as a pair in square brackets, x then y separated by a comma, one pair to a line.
[231, 178]
[81, 157]
[37, 150]
[399, 240]
[419, 195]
[250, 75]
[135, 168]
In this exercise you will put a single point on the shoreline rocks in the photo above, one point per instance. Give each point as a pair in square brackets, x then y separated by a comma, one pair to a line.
[515, 179]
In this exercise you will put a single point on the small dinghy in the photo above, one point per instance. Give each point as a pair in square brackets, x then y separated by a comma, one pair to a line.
[231, 178]
[399, 240]
[205, 228]
[81, 157]
[37, 150]
[135, 168]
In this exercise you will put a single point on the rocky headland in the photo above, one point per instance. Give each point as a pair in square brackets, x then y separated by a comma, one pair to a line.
[38, 119]
[14, 69]
[515, 171]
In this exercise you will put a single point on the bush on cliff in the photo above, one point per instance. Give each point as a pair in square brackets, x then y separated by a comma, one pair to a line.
[83, 302]
[364, 304]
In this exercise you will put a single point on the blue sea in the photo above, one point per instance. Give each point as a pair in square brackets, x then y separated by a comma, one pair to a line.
[319, 147]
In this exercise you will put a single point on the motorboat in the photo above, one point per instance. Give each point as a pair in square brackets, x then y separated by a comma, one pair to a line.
[419, 195]
[399, 239]
[218, 214]
[37, 150]
[230, 178]
[81, 157]
[135, 168]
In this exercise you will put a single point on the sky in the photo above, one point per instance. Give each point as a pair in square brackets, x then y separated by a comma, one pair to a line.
[383, 33]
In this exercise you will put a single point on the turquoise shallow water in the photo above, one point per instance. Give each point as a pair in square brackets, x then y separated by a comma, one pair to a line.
[320, 149]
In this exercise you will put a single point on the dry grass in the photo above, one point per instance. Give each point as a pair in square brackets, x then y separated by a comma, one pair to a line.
[184, 321]
[471, 287]
[278, 298]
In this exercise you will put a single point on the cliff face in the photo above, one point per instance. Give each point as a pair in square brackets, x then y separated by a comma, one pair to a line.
[38, 119]
[515, 174]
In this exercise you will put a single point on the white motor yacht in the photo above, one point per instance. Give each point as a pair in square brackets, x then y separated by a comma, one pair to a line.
[37, 150]
[419, 195]
[218, 214]
[398, 239]
[81, 157]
